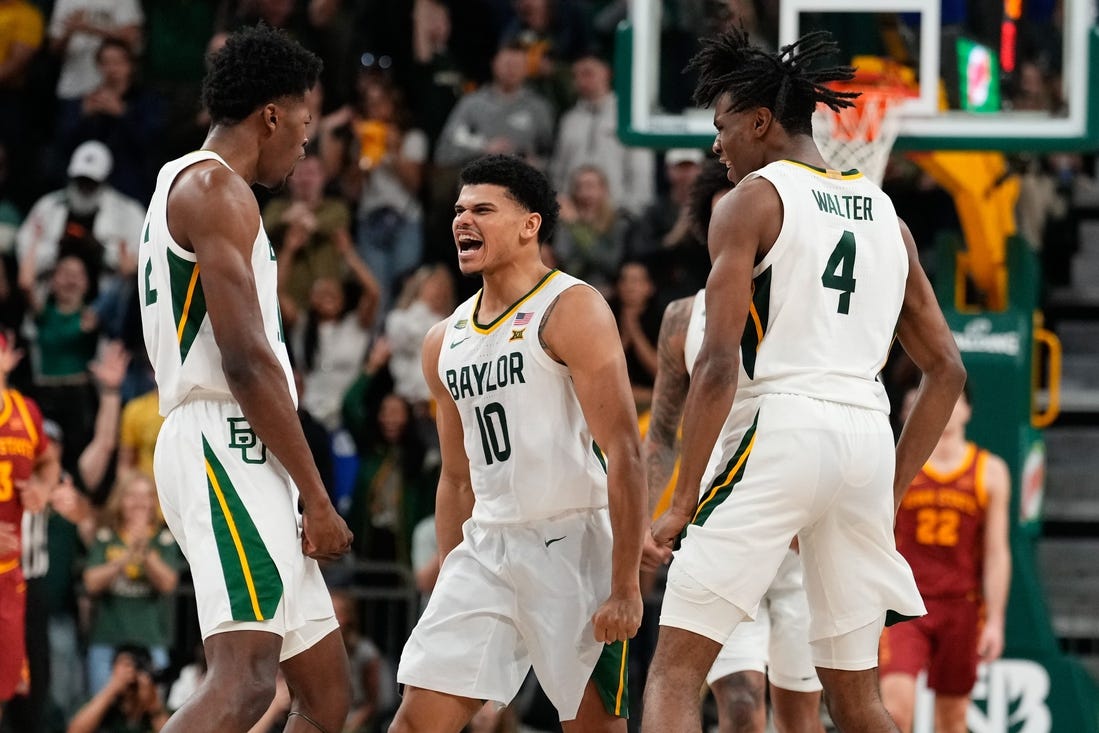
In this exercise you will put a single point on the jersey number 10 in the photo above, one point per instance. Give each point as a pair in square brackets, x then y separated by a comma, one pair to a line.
[839, 273]
[493, 424]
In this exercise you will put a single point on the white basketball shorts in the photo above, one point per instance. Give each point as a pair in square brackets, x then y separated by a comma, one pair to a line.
[777, 641]
[820, 470]
[510, 597]
[233, 510]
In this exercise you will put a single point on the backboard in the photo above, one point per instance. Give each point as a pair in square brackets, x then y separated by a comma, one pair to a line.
[959, 106]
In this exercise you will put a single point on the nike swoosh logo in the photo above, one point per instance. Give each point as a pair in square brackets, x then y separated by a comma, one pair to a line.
[557, 539]
[455, 343]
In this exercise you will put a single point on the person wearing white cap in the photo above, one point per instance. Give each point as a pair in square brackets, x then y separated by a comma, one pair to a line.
[664, 223]
[91, 160]
[663, 237]
[87, 210]
[675, 156]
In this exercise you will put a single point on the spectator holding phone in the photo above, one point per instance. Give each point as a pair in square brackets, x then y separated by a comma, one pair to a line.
[130, 701]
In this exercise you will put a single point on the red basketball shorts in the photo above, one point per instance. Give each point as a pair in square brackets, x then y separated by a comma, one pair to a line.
[944, 642]
[13, 604]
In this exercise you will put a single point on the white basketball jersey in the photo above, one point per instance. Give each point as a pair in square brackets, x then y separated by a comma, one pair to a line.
[826, 297]
[692, 344]
[696, 329]
[531, 454]
[178, 335]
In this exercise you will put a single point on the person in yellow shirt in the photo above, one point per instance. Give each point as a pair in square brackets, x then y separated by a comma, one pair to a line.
[141, 423]
[21, 34]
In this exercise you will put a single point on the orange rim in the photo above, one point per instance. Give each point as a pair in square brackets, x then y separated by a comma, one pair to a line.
[876, 98]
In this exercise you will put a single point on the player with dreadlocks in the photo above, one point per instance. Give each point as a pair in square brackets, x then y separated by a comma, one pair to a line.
[812, 275]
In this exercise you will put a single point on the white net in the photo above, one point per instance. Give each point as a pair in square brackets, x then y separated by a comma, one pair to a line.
[861, 136]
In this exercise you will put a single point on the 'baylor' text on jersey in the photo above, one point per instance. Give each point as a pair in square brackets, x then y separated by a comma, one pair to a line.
[177, 332]
[531, 455]
[826, 298]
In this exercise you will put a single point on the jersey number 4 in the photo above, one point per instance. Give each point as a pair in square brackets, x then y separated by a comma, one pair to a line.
[839, 273]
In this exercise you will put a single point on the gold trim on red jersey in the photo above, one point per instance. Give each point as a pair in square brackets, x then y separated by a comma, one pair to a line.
[952, 475]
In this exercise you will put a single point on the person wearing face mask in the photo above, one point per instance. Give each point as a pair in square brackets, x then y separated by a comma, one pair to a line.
[87, 218]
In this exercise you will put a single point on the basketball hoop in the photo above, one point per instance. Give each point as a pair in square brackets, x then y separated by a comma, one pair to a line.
[862, 136]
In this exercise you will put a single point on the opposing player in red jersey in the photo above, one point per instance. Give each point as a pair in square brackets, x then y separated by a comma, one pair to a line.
[27, 473]
[952, 528]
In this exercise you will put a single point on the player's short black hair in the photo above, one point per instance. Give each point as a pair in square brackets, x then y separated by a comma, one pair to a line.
[525, 184]
[790, 83]
[257, 65]
[711, 180]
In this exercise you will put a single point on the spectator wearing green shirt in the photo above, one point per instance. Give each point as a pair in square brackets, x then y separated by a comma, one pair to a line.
[132, 571]
[67, 335]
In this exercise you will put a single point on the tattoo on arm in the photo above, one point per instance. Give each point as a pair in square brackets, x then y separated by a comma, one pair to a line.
[668, 402]
[542, 328]
[669, 394]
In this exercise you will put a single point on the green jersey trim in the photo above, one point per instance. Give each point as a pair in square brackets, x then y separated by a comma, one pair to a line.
[490, 327]
[188, 301]
[756, 327]
[847, 175]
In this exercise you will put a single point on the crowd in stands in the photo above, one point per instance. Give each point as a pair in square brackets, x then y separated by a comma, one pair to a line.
[95, 95]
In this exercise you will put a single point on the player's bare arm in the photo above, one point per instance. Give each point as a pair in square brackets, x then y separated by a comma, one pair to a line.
[454, 498]
[212, 212]
[997, 558]
[603, 389]
[926, 338]
[35, 491]
[661, 443]
[745, 222]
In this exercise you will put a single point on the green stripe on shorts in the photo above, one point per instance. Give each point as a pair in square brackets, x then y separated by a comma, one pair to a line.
[893, 618]
[612, 678]
[723, 485]
[253, 581]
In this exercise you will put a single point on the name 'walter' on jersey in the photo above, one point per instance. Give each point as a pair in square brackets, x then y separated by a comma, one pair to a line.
[178, 335]
[531, 454]
[827, 296]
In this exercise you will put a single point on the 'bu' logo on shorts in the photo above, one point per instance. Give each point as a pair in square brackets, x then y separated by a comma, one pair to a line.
[243, 438]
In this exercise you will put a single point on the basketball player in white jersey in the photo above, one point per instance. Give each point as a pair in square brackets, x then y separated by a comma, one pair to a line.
[540, 508]
[818, 265]
[231, 462]
[775, 645]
